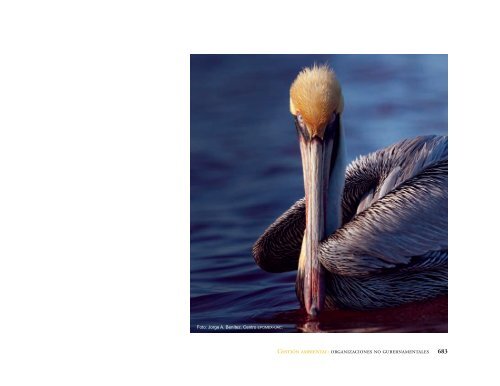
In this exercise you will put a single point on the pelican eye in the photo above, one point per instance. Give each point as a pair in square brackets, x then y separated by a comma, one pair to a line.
[300, 125]
[300, 121]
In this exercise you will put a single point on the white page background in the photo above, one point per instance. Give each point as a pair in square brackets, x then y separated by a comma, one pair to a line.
[94, 191]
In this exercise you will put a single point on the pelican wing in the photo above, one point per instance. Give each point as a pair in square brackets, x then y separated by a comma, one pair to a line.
[408, 222]
[371, 177]
[278, 249]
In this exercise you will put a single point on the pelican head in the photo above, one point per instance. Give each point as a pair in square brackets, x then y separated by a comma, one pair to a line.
[316, 103]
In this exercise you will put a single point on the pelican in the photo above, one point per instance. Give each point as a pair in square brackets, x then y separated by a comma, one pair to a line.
[368, 236]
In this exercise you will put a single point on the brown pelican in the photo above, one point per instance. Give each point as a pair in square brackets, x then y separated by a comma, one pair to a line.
[371, 236]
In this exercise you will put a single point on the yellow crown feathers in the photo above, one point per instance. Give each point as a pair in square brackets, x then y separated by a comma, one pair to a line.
[316, 95]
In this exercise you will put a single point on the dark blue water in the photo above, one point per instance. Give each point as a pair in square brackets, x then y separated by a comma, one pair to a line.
[246, 170]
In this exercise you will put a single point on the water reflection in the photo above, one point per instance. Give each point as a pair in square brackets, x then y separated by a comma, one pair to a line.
[428, 316]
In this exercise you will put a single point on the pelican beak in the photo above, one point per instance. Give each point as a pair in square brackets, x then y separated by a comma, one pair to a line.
[317, 164]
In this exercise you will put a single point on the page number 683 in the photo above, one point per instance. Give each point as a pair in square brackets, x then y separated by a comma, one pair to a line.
[442, 351]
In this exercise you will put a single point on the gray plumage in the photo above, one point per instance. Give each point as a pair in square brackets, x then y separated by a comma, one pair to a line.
[392, 247]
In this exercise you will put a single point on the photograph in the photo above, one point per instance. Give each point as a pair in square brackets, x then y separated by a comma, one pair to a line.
[318, 193]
